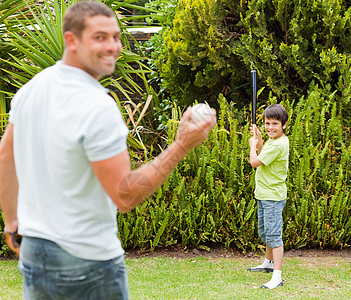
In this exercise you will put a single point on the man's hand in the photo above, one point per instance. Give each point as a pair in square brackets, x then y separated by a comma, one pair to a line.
[128, 188]
[191, 134]
[13, 240]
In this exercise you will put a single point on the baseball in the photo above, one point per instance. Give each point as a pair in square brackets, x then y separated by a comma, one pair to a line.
[200, 113]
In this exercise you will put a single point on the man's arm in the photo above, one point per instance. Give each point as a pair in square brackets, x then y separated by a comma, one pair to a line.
[128, 188]
[8, 181]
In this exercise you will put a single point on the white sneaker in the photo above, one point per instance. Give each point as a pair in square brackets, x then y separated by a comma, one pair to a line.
[272, 284]
[261, 269]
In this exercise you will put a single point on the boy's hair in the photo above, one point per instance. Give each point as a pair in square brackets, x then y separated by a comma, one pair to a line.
[276, 111]
[74, 19]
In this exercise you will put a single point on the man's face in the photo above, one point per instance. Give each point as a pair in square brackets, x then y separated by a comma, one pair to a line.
[274, 128]
[99, 46]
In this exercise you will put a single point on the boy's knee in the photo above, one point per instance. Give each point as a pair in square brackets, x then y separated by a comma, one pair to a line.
[263, 238]
[274, 241]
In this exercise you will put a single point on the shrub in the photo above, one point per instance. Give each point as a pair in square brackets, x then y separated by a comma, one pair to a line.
[209, 196]
[196, 60]
[213, 45]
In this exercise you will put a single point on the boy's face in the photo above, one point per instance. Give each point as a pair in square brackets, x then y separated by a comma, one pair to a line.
[274, 128]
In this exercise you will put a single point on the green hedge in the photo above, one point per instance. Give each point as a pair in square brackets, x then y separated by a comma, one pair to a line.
[301, 51]
[209, 196]
[213, 44]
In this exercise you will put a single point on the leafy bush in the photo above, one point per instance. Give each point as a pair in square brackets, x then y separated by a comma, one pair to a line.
[196, 61]
[30, 43]
[8, 8]
[204, 199]
[209, 196]
[213, 44]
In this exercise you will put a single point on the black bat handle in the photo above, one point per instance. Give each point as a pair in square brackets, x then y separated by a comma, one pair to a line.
[253, 77]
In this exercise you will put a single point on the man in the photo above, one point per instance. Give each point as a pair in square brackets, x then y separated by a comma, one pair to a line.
[64, 167]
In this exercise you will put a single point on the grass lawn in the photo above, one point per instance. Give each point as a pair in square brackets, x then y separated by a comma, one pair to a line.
[218, 278]
[10, 280]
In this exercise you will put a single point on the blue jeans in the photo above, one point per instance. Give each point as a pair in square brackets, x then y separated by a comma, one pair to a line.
[49, 272]
[270, 222]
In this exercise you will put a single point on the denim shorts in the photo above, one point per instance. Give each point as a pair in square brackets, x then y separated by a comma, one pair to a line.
[49, 272]
[270, 222]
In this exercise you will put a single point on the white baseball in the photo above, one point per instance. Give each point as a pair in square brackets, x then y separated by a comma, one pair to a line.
[200, 113]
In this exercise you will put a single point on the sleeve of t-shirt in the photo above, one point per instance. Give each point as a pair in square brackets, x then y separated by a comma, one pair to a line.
[12, 111]
[105, 133]
[14, 102]
[269, 153]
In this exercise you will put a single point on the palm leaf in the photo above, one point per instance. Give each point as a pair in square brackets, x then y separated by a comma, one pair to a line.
[32, 33]
[39, 42]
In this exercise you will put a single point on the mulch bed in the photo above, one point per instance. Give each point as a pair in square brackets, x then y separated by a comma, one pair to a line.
[216, 251]
[220, 251]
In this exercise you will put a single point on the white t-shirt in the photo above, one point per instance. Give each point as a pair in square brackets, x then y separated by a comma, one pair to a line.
[63, 119]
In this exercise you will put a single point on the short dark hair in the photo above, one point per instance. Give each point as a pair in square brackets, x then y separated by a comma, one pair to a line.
[74, 18]
[276, 111]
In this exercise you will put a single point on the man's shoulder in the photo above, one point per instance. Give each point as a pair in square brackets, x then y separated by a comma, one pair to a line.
[78, 83]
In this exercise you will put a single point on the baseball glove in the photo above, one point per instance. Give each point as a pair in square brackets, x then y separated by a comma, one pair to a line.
[13, 240]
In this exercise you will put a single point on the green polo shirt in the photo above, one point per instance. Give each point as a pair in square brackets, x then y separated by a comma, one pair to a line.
[271, 175]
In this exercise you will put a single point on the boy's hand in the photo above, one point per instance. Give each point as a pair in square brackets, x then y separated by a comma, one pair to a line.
[253, 142]
[255, 131]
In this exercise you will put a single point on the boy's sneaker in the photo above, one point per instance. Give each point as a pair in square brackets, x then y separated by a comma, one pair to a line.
[271, 285]
[261, 269]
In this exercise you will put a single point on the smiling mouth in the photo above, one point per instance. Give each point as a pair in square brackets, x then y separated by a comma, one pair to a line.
[109, 58]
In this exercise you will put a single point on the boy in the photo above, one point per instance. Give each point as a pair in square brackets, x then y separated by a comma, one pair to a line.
[271, 161]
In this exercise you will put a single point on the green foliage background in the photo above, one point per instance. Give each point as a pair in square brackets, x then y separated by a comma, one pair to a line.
[212, 45]
[209, 196]
[301, 51]
[204, 53]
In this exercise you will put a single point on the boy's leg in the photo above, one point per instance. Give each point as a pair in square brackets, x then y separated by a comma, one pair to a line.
[274, 224]
[276, 280]
[267, 265]
[278, 254]
[269, 253]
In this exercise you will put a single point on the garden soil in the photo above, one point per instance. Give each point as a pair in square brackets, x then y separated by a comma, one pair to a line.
[221, 252]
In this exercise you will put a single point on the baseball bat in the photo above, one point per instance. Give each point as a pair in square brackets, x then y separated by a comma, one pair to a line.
[253, 79]
[253, 76]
